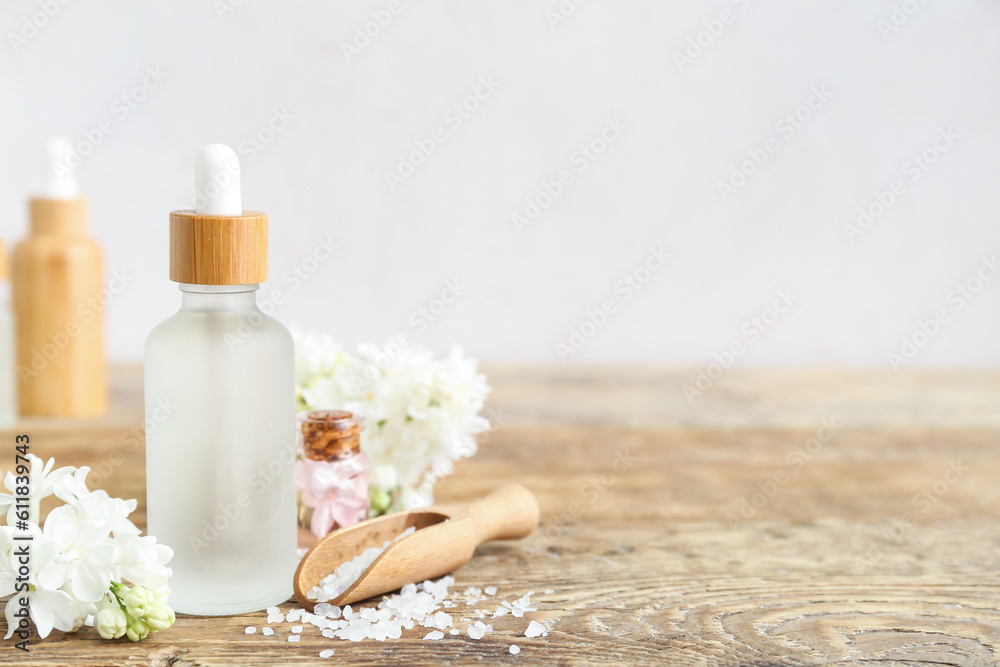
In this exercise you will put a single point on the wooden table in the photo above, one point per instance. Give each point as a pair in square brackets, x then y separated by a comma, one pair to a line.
[783, 517]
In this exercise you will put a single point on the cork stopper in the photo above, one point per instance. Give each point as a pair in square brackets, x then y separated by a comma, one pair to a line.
[327, 435]
[218, 249]
[218, 243]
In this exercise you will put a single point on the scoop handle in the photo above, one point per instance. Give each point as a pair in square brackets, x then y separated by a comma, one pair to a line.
[509, 513]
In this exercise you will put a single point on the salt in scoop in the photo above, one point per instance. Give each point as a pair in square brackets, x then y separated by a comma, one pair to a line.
[444, 539]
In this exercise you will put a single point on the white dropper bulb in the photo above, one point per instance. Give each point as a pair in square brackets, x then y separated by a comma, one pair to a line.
[58, 178]
[217, 181]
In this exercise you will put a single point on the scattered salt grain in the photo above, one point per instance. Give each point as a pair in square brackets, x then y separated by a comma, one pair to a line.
[549, 591]
[536, 629]
[478, 630]
[273, 610]
[515, 649]
[267, 632]
[521, 605]
[294, 638]
[454, 631]
[435, 635]
[275, 618]
[490, 590]
[296, 629]
[250, 630]
[328, 653]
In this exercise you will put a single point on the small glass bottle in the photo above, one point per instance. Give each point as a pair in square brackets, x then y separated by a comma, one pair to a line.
[220, 411]
[332, 471]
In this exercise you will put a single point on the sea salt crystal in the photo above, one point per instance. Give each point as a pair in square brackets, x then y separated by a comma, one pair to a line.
[442, 620]
[275, 618]
[454, 631]
[267, 632]
[473, 592]
[515, 649]
[294, 638]
[328, 653]
[536, 629]
[273, 610]
[328, 610]
[478, 630]
[521, 605]
[549, 591]
[501, 611]
[491, 590]
[435, 635]
[250, 630]
[296, 629]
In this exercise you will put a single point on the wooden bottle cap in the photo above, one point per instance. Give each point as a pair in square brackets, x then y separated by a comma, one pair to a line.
[218, 249]
[58, 216]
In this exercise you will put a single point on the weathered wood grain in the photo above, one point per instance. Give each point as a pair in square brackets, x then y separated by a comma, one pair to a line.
[879, 545]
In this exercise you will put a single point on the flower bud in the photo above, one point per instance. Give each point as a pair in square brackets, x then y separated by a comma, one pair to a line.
[137, 629]
[139, 601]
[111, 622]
[160, 617]
[161, 593]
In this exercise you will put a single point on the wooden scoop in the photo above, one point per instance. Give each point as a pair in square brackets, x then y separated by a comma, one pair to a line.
[445, 537]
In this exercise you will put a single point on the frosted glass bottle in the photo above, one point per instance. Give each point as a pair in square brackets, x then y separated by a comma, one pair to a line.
[220, 410]
[220, 453]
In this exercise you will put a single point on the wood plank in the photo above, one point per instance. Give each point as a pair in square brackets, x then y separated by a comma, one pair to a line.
[652, 569]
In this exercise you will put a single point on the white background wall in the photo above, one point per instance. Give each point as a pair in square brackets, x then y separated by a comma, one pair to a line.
[686, 128]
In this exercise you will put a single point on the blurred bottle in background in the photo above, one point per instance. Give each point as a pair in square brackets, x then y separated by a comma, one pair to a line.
[57, 279]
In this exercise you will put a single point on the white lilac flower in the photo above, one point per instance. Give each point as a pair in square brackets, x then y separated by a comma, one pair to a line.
[143, 561]
[421, 414]
[83, 555]
[49, 609]
[44, 482]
